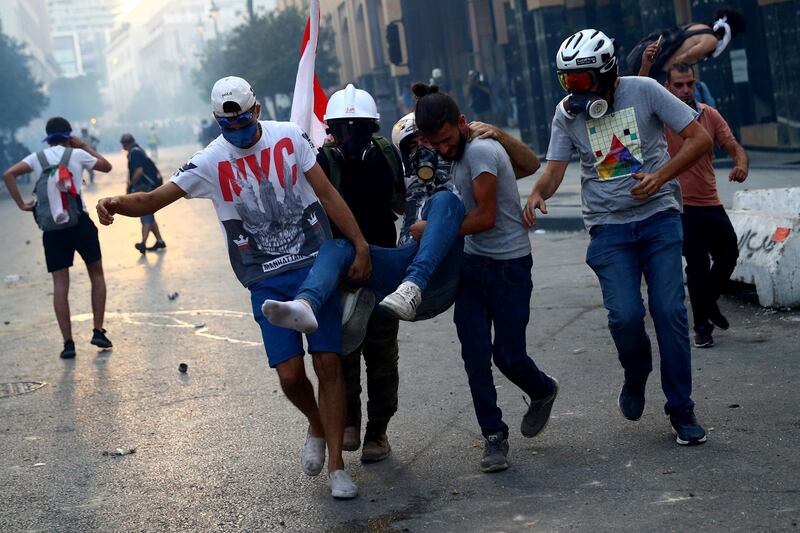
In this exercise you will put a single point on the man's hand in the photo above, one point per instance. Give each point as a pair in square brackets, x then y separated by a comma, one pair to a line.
[27, 206]
[648, 57]
[106, 209]
[738, 174]
[535, 201]
[361, 269]
[649, 184]
[417, 229]
[481, 130]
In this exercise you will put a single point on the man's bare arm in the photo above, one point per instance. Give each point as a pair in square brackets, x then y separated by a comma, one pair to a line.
[483, 216]
[10, 177]
[341, 215]
[741, 164]
[523, 160]
[102, 164]
[544, 188]
[138, 204]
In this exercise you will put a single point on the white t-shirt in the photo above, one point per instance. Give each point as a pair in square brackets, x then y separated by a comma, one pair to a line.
[79, 160]
[271, 219]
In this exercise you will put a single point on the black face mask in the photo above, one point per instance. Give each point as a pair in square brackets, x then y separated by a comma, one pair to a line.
[352, 136]
[423, 164]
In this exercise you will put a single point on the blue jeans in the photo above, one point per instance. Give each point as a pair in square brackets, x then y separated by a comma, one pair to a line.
[496, 293]
[619, 254]
[417, 262]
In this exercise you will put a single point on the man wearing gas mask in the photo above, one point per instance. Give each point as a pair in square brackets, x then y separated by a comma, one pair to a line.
[368, 172]
[631, 207]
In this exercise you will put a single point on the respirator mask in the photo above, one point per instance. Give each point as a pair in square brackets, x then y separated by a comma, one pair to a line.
[580, 99]
[352, 136]
[422, 164]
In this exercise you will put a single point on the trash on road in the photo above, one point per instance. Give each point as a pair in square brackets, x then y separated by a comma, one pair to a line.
[199, 325]
[12, 278]
[576, 351]
[39, 464]
[734, 406]
[117, 452]
[182, 368]
[172, 296]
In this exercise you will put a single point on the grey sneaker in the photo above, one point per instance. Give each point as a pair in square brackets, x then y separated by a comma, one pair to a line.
[535, 420]
[357, 307]
[495, 451]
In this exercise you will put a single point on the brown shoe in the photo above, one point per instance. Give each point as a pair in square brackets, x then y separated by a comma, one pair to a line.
[352, 438]
[375, 449]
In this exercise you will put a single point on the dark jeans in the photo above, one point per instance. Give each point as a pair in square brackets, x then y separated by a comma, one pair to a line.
[496, 293]
[380, 356]
[620, 254]
[707, 235]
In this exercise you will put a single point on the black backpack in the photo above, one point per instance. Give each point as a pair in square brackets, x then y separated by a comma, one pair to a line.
[151, 179]
[41, 211]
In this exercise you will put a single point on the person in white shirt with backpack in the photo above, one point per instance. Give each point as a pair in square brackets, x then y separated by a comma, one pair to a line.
[60, 213]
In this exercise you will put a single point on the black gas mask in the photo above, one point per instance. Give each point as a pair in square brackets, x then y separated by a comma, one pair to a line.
[353, 136]
[580, 98]
[422, 164]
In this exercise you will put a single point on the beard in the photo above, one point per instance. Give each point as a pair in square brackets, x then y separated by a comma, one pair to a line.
[462, 145]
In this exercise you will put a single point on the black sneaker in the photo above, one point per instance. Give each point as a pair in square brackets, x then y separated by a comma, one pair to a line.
[535, 420]
[718, 319]
[100, 340]
[69, 350]
[159, 245]
[703, 339]
[495, 451]
[686, 429]
[141, 247]
[631, 399]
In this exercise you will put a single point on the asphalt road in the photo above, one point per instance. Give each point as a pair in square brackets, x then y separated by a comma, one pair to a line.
[217, 448]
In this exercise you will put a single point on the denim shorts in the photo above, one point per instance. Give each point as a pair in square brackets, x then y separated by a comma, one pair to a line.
[147, 219]
[283, 344]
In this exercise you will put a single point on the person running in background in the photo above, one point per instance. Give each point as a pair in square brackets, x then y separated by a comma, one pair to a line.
[152, 142]
[93, 142]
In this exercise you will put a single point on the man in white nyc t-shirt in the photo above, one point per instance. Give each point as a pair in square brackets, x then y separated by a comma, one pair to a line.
[271, 198]
[60, 245]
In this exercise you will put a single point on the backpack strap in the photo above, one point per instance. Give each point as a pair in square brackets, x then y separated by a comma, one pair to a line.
[389, 154]
[45, 164]
[65, 156]
[334, 171]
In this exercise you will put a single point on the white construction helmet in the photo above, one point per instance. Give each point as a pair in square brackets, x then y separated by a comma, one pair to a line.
[403, 128]
[587, 49]
[351, 103]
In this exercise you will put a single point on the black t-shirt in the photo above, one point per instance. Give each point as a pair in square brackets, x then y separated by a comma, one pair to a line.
[369, 188]
[137, 158]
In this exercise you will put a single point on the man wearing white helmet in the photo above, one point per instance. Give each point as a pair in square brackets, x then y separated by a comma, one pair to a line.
[269, 193]
[368, 173]
[631, 207]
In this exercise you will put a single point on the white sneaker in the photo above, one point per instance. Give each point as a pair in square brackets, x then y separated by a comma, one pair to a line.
[294, 314]
[342, 485]
[403, 302]
[313, 455]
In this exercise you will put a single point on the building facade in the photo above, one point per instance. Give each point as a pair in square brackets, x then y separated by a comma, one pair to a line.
[26, 21]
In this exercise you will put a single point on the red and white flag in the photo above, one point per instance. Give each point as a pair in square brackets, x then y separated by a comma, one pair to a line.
[309, 101]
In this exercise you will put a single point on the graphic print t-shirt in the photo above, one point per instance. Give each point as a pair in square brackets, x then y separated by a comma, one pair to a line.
[272, 221]
[419, 191]
[615, 146]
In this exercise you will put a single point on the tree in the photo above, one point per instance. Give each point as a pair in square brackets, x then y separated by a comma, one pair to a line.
[266, 51]
[76, 98]
[23, 98]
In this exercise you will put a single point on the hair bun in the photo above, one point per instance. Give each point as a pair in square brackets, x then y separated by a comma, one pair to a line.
[422, 89]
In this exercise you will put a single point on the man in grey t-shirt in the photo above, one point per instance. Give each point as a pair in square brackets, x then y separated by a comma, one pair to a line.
[495, 287]
[631, 207]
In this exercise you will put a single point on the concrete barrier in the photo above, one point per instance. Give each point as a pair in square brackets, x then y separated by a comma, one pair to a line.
[767, 223]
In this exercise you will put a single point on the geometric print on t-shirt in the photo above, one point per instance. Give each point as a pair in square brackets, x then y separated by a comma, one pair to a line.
[616, 144]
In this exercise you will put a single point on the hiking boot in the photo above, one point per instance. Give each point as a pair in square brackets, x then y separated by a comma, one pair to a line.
[357, 307]
[718, 319]
[686, 429]
[99, 339]
[141, 247]
[69, 350]
[495, 450]
[376, 448]
[703, 339]
[535, 420]
[159, 245]
[352, 438]
[403, 302]
[342, 486]
[313, 455]
[631, 399]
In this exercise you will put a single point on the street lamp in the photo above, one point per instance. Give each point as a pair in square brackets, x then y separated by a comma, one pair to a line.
[213, 14]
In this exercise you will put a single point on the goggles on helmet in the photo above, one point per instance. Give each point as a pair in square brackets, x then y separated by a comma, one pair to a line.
[577, 81]
[238, 120]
